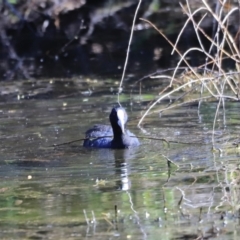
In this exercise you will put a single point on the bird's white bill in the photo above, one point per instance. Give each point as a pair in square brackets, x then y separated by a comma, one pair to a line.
[121, 118]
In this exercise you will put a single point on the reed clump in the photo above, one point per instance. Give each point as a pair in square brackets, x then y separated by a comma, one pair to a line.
[210, 80]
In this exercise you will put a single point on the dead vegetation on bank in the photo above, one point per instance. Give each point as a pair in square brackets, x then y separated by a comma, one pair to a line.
[210, 80]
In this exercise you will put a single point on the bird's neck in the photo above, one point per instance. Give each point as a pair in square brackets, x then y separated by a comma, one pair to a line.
[117, 133]
[120, 140]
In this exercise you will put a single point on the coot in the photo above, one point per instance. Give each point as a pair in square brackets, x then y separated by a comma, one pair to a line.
[114, 136]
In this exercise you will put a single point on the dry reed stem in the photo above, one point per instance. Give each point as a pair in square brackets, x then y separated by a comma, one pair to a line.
[128, 49]
[163, 35]
[220, 79]
[230, 42]
[179, 88]
[217, 62]
[196, 28]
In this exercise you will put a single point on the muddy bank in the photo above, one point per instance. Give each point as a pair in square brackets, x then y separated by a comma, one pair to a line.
[52, 39]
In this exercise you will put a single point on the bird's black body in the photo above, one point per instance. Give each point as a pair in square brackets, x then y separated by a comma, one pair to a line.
[114, 136]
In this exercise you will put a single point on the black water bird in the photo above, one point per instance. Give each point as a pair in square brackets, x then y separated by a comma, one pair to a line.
[114, 136]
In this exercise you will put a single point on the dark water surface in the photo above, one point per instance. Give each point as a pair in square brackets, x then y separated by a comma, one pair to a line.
[177, 190]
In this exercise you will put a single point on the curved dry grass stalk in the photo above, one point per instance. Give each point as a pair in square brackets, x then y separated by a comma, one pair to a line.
[222, 46]
[163, 35]
[171, 106]
[220, 49]
[182, 87]
[185, 25]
